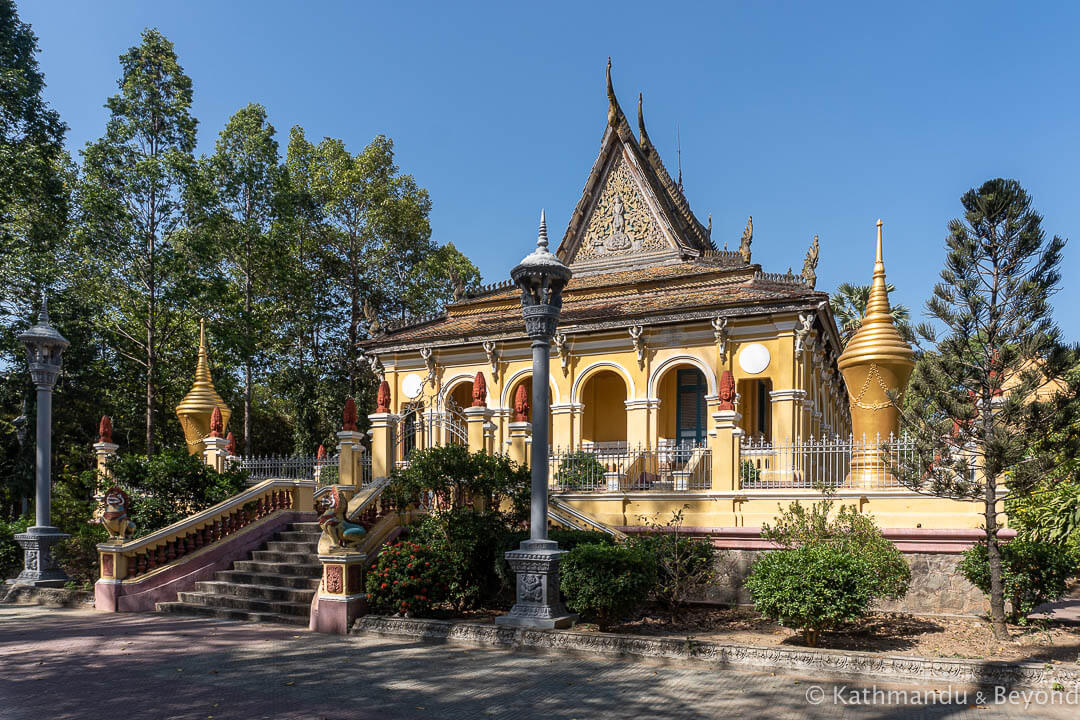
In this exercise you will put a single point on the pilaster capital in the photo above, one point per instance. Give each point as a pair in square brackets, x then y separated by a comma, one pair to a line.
[791, 395]
[478, 414]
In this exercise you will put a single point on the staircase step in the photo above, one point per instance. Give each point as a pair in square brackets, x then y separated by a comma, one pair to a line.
[230, 614]
[305, 527]
[232, 602]
[275, 579]
[291, 546]
[273, 593]
[294, 536]
[278, 568]
[296, 558]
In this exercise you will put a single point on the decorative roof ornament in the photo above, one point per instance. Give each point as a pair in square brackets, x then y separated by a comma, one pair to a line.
[747, 238]
[382, 398]
[479, 390]
[105, 430]
[195, 410]
[374, 326]
[230, 444]
[521, 404]
[348, 416]
[876, 365]
[809, 268]
[643, 135]
[614, 112]
[727, 394]
[217, 426]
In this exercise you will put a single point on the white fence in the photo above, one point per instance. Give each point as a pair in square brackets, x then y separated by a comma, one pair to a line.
[824, 462]
[672, 469]
[295, 467]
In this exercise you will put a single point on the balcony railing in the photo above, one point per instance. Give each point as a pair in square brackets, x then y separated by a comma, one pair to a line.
[614, 469]
[823, 462]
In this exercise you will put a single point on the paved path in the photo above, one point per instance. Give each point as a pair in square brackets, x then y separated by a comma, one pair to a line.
[58, 664]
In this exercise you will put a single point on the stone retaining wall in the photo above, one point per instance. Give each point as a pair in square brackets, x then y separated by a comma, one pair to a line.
[937, 587]
[823, 664]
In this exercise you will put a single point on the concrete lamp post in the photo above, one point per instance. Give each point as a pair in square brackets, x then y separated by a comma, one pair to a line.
[44, 346]
[541, 277]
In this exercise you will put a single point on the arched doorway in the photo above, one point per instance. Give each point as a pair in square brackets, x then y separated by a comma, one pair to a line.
[603, 422]
[683, 415]
[526, 380]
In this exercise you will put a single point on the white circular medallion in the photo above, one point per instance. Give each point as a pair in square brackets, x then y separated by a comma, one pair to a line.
[754, 358]
[412, 385]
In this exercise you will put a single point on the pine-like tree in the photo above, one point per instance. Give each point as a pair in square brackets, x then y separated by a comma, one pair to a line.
[971, 404]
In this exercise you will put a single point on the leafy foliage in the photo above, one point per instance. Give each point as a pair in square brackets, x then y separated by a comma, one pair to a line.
[11, 554]
[408, 579]
[850, 532]
[453, 478]
[170, 486]
[580, 470]
[468, 543]
[1033, 572]
[685, 565]
[607, 582]
[813, 587]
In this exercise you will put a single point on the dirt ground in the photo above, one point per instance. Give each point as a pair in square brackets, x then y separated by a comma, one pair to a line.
[890, 633]
[887, 633]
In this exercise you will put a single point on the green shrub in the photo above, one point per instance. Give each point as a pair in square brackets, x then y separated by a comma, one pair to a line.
[749, 472]
[170, 486]
[78, 556]
[848, 531]
[685, 566]
[607, 582]
[580, 470]
[11, 553]
[456, 478]
[812, 587]
[406, 579]
[468, 541]
[1033, 572]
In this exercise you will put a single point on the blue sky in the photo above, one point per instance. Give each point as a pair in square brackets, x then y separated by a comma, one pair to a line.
[812, 117]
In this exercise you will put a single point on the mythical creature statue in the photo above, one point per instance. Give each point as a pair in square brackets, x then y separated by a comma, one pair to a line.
[479, 390]
[521, 404]
[747, 238]
[113, 514]
[348, 417]
[105, 430]
[809, 268]
[338, 534]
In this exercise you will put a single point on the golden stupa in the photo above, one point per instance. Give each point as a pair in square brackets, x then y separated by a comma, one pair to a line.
[195, 409]
[875, 363]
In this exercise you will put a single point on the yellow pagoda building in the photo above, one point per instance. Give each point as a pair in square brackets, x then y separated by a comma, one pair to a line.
[682, 375]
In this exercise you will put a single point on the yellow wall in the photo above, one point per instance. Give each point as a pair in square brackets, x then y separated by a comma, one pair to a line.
[604, 418]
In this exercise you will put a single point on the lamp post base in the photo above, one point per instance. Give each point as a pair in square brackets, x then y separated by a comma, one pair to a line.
[539, 604]
[39, 569]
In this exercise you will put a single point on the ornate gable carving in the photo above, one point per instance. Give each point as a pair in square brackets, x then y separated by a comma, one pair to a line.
[621, 222]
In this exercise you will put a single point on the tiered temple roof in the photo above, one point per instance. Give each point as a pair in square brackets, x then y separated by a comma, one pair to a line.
[639, 257]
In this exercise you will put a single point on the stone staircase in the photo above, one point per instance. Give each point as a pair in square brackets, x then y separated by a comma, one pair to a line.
[276, 585]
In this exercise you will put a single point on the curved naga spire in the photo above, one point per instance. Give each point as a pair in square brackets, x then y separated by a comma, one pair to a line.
[646, 143]
[614, 111]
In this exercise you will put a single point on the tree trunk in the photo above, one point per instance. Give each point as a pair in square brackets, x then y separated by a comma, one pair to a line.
[993, 551]
[247, 361]
[151, 357]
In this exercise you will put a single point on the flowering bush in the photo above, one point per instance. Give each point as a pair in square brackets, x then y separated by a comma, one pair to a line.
[406, 579]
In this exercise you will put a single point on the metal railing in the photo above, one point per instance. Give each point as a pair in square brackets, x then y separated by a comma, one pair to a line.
[824, 462]
[671, 469]
[295, 467]
[365, 470]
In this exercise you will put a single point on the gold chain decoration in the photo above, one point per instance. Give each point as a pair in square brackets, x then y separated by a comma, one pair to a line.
[857, 401]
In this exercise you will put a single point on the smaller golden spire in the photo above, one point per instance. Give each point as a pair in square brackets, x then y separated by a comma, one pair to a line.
[195, 410]
[202, 366]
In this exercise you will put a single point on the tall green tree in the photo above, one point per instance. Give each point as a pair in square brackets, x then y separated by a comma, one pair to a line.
[972, 406]
[246, 174]
[849, 306]
[33, 196]
[138, 196]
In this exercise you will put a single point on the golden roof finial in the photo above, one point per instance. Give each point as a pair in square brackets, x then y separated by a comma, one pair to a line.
[877, 337]
[198, 405]
[614, 111]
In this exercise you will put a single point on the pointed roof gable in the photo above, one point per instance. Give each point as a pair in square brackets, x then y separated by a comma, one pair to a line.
[631, 214]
